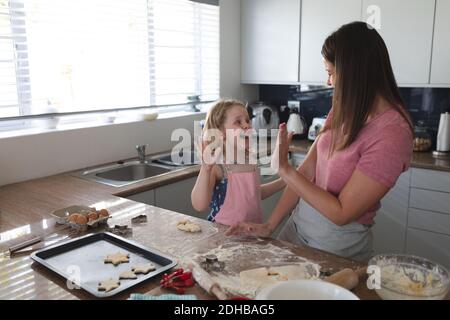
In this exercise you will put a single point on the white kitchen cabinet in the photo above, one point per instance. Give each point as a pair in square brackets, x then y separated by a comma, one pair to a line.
[270, 32]
[430, 179]
[430, 200]
[429, 221]
[389, 231]
[318, 20]
[433, 246]
[177, 197]
[147, 197]
[430, 190]
[440, 62]
[407, 28]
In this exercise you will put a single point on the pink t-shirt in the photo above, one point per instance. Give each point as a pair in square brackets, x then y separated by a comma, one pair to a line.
[382, 151]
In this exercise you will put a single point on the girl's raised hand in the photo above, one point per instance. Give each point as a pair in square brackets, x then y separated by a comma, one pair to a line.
[208, 155]
[250, 229]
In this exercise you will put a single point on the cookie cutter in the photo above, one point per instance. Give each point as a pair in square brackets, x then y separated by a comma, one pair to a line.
[139, 219]
[212, 263]
[120, 229]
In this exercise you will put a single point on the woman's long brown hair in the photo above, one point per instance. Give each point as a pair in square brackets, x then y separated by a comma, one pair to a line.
[363, 71]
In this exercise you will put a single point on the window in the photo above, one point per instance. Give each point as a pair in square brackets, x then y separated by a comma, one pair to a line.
[82, 55]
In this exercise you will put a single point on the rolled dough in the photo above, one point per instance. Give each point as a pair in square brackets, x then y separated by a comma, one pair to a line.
[262, 277]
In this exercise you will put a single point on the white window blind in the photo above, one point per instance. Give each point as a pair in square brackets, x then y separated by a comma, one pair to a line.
[184, 55]
[84, 55]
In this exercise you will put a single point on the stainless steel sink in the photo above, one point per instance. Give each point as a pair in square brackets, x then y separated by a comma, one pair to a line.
[124, 173]
[181, 158]
[132, 172]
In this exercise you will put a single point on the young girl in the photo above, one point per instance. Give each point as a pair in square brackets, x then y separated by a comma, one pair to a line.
[232, 191]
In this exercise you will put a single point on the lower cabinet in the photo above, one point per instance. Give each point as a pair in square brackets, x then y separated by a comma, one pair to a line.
[177, 197]
[389, 231]
[415, 216]
[147, 197]
[270, 203]
[430, 245]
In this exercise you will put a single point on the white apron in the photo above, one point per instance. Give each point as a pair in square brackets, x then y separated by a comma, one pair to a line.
[307, 226]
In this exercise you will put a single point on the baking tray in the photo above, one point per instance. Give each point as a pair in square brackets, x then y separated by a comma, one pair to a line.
[83, 259]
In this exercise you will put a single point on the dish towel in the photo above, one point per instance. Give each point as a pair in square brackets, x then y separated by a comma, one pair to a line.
[139, 296]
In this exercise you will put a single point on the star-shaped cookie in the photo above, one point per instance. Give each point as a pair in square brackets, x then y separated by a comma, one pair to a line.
[143, 268]
[108, 285]
[117, 258]
[128, 275]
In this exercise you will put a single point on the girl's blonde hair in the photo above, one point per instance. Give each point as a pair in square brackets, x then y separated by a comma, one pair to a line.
[217, 114]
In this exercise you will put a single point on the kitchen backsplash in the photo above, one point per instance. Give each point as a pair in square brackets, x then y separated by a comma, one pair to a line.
[424, 104]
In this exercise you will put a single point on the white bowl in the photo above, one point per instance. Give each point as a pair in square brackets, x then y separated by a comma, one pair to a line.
[305, 290]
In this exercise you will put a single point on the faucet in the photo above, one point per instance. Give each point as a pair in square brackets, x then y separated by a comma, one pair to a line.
[141, 152]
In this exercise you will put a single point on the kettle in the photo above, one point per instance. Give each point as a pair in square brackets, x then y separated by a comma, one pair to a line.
[316, 127]
[264, 118]
[296, 123]
[443, 137]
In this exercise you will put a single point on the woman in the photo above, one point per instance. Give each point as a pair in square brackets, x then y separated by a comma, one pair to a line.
[365, 145]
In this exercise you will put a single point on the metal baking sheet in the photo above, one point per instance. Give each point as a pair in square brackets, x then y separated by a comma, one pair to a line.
[83, 259]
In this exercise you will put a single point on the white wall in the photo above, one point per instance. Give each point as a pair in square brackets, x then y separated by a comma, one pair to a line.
[230, 54]
[34, 156]
[40, 155]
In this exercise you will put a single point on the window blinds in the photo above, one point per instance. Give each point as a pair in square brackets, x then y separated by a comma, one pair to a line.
[184, 50]
[83, 55]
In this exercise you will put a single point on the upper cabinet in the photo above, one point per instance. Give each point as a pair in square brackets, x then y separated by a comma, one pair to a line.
[407, 28]
[440, 63]
[270, 38]
[282, 39]
[318, 20]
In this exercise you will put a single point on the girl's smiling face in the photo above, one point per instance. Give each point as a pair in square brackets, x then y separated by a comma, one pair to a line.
[237, 124]
[237, 119]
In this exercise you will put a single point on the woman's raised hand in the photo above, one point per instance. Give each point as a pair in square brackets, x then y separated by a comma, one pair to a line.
[280, 157]
[250, 229]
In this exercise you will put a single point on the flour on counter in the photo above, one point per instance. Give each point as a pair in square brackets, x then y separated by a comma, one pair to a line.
[250, 266]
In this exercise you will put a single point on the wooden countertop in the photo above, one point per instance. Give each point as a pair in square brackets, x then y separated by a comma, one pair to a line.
[21, 278]
[25, 213]
[424, 160]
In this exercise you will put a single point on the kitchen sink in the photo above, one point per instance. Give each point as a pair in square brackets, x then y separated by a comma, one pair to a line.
[132, 172]
[124, 173]
[180, 158]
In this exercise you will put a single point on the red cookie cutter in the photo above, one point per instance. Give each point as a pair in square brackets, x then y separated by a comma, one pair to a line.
[178, 280]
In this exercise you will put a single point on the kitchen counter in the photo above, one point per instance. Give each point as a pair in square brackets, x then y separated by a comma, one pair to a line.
[424, 160]
[30, 201]
[21, 278]
[25, 209]
[25, 213]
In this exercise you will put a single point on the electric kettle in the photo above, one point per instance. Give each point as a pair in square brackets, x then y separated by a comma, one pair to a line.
[443, 137]
[264, 118]
[296, 123]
